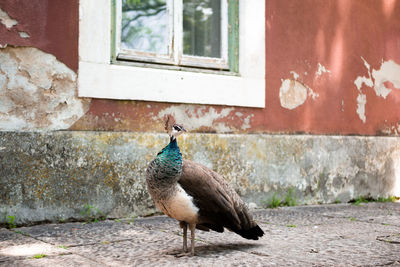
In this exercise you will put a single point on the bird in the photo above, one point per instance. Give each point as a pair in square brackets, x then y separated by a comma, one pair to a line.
[196, 196]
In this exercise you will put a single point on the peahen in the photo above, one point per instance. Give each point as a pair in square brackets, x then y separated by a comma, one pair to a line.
[195, 195]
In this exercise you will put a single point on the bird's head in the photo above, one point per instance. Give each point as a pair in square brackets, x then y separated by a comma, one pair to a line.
[173, 129]
[176, 130]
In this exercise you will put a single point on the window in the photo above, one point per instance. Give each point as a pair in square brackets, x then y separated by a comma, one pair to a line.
[183, 51]
[190, 33]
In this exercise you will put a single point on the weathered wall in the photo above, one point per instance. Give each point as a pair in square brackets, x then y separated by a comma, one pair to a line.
[56, 176]
[49, 25]
[328, 47]
[37, 92]
[332, 67]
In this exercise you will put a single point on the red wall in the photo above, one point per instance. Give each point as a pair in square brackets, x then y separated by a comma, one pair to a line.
[300, 36]
[52, 25]
[336, 34]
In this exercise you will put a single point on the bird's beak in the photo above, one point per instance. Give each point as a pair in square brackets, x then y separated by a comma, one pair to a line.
[183, 129]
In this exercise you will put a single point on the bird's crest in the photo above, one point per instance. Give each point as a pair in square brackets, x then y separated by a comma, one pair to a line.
[172, 128]
[169, 123]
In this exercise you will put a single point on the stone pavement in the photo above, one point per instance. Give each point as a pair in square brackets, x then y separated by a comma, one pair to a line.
[323, 235]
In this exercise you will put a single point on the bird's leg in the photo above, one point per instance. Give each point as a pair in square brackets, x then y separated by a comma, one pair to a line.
[192, 228]
[183, 225]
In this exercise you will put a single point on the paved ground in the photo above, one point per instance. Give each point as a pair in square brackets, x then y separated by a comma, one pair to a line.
[326, 235]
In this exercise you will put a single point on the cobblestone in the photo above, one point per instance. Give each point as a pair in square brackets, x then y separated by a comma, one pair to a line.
[323, 235]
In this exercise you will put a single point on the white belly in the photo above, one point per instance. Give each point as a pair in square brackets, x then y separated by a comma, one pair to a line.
[180, 206]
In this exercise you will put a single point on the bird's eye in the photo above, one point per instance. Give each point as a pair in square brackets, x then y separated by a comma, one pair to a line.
[177, 128]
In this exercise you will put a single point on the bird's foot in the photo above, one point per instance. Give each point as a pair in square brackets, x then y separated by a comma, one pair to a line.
[184, 254]
[180, 253]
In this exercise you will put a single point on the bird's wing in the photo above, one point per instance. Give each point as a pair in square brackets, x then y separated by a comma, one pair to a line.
[219, 205]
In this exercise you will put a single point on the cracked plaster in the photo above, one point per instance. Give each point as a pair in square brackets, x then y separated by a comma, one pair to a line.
[37, 92]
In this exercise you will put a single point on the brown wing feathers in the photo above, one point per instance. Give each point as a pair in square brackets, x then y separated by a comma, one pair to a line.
[219, 205]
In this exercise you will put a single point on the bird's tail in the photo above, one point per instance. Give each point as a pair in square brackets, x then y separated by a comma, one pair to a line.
[253, 233]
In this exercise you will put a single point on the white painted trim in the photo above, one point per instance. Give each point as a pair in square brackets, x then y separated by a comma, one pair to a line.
[98, 78]
[224, 30]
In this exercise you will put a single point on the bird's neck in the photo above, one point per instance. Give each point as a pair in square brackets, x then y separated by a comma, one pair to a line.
[172, 155]
[168, 164]
[173, 144]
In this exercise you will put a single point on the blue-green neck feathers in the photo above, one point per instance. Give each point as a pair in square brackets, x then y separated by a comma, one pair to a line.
[170, 159]
[171, 151]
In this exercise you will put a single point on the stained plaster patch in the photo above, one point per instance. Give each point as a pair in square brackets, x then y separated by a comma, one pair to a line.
[195, 118]
[37, 92]
[389, 71]
[293, 93]
[198, 117]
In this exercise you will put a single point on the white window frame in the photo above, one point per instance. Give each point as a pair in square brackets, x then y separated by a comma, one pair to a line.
[175, 41]
[99, 78]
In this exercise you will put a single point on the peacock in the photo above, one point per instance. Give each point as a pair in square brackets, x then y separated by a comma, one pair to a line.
[195, 195]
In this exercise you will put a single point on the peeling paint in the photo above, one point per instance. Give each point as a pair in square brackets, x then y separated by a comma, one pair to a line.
[295, 75]
[389, 71]
[195, 118]
[361, 101]
[246, 122]
[6, 20]
[321, 70]
[9, 23]
[311, 93]
[37, 91]
[292, 94]
[360, 80]
[24, 34]
[392, 129]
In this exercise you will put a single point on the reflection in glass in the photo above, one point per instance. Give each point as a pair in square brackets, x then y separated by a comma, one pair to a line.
[202, 28]
[144, 25]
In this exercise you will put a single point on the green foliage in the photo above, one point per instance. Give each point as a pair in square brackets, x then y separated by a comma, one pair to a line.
[10, 220]
[39, 256]
[275, 202]
[92, 214]
[353, 219]
[64, 247]
[291, 225]
[388, 199]
[362, 199]
[289, 200]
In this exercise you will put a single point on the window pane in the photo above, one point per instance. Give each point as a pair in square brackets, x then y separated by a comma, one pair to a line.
[144, 25]
[202, 28]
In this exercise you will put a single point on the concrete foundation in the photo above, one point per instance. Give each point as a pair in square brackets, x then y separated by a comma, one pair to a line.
[65, 175]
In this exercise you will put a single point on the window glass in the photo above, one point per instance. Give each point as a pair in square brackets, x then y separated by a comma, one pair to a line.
[202, 28]
[187, 33]
[144, 26]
